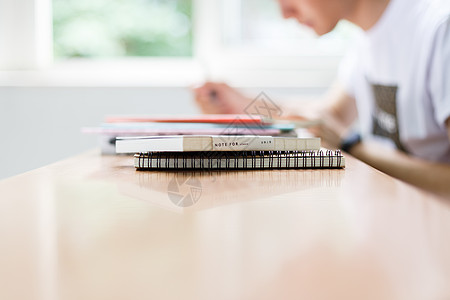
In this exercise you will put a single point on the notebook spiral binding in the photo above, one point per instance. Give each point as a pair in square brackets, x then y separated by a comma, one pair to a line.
[240, 160]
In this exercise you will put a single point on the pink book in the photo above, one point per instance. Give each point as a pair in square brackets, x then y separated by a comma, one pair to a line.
[213, 118]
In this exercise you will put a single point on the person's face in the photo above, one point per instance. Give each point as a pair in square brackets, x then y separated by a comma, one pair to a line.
[321, 15]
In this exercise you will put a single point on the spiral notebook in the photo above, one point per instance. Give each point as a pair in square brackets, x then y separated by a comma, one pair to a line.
[211, 160]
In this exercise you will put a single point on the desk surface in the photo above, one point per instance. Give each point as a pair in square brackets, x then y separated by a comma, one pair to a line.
[91, 227]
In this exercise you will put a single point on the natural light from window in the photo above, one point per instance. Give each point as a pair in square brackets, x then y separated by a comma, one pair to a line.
[260, 26]
[156, 28]
[117, 28]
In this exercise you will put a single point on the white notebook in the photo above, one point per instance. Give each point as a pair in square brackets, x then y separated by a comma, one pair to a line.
[191, 143]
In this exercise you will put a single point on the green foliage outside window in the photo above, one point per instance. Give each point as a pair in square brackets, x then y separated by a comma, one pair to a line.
[114, 28]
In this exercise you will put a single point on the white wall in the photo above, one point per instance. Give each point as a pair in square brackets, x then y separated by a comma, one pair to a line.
[40, 125]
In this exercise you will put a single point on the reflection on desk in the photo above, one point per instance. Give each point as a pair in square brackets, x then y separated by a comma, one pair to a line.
[202, 190]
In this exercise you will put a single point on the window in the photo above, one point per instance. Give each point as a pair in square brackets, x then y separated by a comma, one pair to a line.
[116, 28]
[239, 41]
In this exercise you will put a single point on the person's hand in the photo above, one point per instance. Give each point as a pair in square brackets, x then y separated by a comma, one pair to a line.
[330, 130]
[219, 98]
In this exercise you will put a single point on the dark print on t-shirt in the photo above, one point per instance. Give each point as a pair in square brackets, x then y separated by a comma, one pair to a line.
[385, 121]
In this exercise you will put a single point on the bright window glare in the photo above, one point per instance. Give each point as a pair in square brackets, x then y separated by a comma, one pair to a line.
[116, 28]
[262, 26]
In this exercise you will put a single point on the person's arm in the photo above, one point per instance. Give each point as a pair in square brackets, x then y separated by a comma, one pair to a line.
[214, 97]
[434, 177]
[339, 114]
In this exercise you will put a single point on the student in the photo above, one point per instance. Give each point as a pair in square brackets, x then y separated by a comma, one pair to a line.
[395, 82]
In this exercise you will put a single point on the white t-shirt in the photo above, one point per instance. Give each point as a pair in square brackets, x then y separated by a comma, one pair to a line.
[399, 74]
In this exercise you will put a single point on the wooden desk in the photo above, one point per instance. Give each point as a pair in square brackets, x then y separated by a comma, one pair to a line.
[92, 227]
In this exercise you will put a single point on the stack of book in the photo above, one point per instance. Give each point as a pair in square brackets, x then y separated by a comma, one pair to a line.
[160, 125]
[209, 152]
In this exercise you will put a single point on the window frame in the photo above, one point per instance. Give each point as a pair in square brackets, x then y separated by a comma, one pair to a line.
[28, 46]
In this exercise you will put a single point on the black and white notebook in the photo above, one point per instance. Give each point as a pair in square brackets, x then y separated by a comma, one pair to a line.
[210, 160]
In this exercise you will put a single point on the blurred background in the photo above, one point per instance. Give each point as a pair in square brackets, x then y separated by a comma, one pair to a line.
[65, 64]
